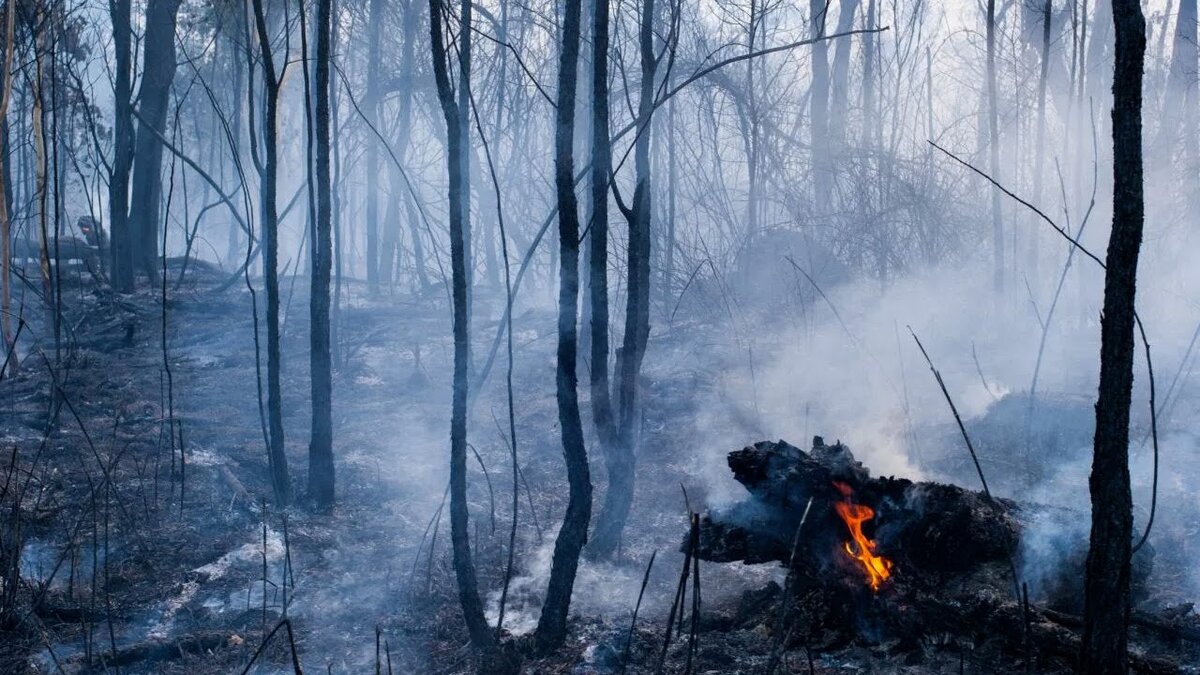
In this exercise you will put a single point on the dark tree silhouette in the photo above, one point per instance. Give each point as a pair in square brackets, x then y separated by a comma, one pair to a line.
[602, 412]
[121, 236]
[1106, 590]
[320, 449]
[620, 457]
[280, 481]
[158, 72]
[552, 625]
[464, 567]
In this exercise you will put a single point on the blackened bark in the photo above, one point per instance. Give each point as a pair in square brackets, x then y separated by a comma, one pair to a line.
[464, 567]
[372, 149]
[320, 449]
[158, 72]
[280, 481]
[602, 412]
[1106, 597]
[552, 625]
[620, 458]
[121, 237]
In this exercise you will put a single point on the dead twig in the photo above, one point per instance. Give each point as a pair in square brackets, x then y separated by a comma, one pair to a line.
[283, 623]
[953, 409]
[680, 591]
[637, 606]
[1012, 565]
[979, 371]
[1154, 439]
[786, 598]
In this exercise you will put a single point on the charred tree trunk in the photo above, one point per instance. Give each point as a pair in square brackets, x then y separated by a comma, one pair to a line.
[320, 449]
[602, 412]
[552, 625]
[158, 72]
[280, 481]
[620, 458]
[1107, 604]
[121, 237]
[464, 567]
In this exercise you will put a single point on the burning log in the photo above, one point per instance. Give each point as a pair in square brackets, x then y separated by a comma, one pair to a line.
[862, 530]
[889, 557]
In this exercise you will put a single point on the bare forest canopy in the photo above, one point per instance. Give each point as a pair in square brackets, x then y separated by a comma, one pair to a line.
[421, 335]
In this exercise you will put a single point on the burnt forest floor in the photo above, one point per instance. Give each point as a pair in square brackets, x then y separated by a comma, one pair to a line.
[148, 542]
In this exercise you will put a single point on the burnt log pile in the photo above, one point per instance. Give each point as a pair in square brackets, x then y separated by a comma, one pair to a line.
[873, 560]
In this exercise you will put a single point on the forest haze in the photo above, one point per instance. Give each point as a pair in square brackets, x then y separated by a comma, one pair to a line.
[448, 336]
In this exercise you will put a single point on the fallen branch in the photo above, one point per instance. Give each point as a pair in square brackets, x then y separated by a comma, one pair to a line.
[163, 650]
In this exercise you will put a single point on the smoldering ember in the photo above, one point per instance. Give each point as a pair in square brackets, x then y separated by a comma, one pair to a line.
[598, 337]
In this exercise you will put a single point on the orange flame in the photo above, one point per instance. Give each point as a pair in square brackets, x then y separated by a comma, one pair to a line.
[878, 568]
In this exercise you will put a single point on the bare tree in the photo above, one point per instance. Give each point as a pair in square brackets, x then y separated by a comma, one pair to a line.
[269, 176]
[121, 236]
[320, 449]
[602, 412]
[158, 72]
[620, 455]
[464, 566]
[1106, 588]
[552, 625]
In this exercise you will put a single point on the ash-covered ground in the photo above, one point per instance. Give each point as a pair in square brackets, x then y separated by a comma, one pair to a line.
[148, 542]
